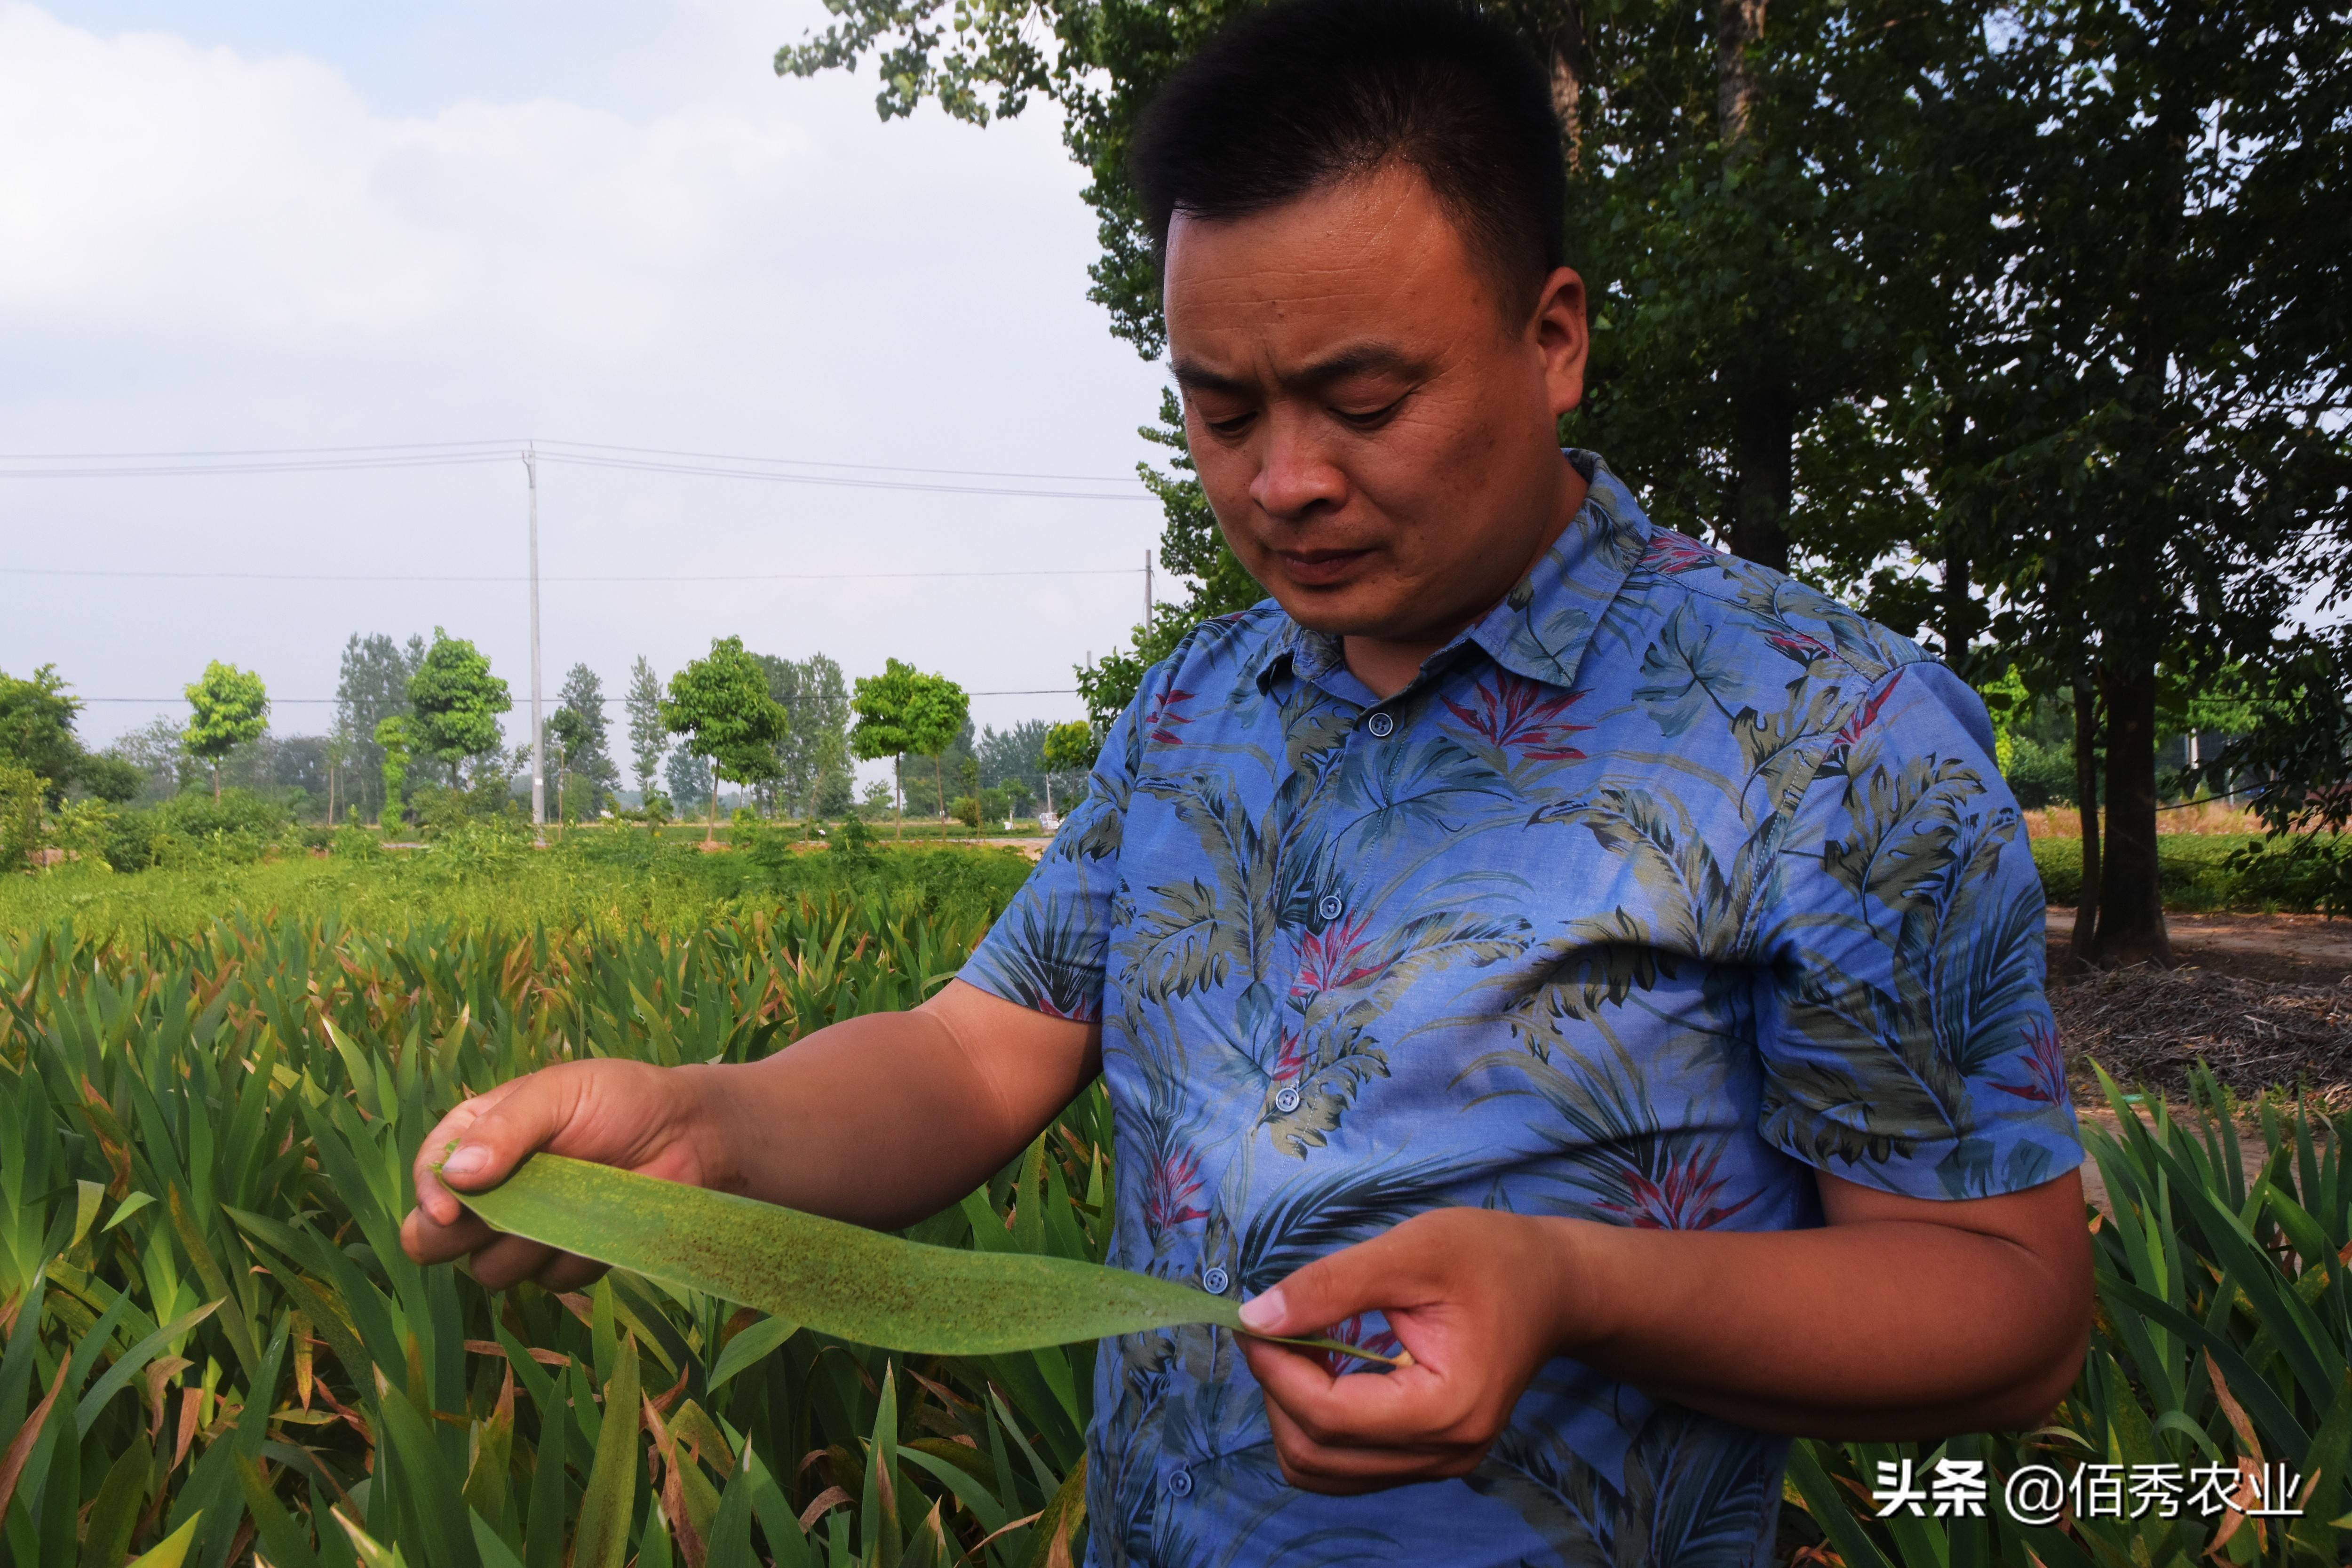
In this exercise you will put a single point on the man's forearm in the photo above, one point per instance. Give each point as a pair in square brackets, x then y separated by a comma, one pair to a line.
[1878, 1329]
[879, 1119]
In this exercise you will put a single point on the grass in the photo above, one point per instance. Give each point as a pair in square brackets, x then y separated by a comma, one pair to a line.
[2194, 869]
[208, 1335]
[612, 881]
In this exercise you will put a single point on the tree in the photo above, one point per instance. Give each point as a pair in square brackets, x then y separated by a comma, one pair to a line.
[815, 777]
[36, 730]
[373, 686]
[2165, 486]
[904, 711]
[582, 732]
[231, 707]
[393, 740]
[648, 736]
[457, 701]
[690, 782]
[1069, 749]
[157, 749]
[720, 703]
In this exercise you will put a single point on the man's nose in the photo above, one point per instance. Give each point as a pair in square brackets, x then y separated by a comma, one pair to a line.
[1296, 475]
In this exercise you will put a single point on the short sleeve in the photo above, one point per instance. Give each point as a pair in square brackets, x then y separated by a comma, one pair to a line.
[1047, 951]
[1907, 1041]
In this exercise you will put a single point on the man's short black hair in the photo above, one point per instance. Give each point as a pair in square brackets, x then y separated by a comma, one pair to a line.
[1305, 92]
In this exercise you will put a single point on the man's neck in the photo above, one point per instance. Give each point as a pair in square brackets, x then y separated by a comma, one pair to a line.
[1389, 665]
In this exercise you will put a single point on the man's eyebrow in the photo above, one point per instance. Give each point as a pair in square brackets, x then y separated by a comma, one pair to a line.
[1194, 376]
[1355, 359]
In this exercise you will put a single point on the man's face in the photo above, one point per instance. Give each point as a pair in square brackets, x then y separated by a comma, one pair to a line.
[1375, 432]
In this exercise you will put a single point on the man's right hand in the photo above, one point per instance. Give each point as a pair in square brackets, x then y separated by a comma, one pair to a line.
[630, 1114]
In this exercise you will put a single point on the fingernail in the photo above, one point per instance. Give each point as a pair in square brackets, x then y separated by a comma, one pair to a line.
[1264, 1312]
[465, 1161]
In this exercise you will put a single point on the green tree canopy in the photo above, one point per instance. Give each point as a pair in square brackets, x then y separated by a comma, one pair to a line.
[904, 711]
[371, 686]
[37, 729]
[1072, 747]
[394, 746]
[721, 704]
[648, 736]
[456, 702]
[231, 708]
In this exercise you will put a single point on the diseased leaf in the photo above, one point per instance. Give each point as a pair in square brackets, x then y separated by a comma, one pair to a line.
[836, 1279]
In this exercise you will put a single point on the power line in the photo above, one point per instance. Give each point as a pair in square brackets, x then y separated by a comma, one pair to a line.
[517, 577]
[315, 702]
[580, 454]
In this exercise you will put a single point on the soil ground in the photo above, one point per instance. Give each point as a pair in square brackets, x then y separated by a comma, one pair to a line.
[2265, 1000]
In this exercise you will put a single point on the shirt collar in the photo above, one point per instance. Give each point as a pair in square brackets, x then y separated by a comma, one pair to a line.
[1540, 628]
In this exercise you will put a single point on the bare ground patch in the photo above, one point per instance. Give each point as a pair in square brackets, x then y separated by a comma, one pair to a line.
[2264, 1000]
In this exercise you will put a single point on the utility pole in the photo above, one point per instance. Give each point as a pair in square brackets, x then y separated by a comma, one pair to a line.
[538, 733]
[1147, 592]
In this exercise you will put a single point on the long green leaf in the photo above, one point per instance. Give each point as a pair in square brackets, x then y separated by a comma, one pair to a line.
[836, 1279]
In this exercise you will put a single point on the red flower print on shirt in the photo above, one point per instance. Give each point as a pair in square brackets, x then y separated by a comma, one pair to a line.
[1334, 958]
[1161, 721]
[1171, 1198]
[1683, 1197]
[2045, 1066]
[1672, 554]
[1514, 713]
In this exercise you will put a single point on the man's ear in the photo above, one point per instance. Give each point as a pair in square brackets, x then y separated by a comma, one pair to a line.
[1563, 337]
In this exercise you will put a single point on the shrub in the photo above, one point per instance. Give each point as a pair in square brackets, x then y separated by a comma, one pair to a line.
[2304, 874]
[2039, 774]
[20, 813]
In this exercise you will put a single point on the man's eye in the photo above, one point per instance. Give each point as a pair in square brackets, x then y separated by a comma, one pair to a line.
[1230, 425]
[1368, 418]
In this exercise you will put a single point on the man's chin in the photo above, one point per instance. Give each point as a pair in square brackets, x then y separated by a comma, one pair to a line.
[1343, 610]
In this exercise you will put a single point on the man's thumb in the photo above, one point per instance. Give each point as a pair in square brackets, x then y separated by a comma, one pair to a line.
[497, 1140]
[1326, 1291]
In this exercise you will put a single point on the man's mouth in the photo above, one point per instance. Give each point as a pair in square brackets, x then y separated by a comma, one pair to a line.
[1320, 568]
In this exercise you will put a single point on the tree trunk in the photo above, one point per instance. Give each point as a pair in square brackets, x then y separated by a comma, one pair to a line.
[217, 790]
[1956, 626]
[1763, 400]
[1764, 480]
[1738, 28]
[710, 835]
[2087, 796]
[2131, 895]
[939, 781]
[1567, 67]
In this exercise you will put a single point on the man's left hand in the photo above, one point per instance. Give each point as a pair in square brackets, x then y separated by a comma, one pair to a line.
[1473, 1294]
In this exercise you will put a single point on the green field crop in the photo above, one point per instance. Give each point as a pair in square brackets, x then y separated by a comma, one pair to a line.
[206, 1324]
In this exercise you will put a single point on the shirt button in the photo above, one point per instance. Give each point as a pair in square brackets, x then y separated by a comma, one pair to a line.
[1180, 1484]
[1286, 1101]
[1331, 905]
[1381, 725]
[1213, 1281]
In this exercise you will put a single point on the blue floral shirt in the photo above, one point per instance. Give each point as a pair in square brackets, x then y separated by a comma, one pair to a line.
[1666, 884]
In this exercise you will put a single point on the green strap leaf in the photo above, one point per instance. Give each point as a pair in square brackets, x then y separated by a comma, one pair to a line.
[836, 1279]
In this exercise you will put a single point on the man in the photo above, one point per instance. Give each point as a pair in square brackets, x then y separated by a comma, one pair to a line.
[1609, 970]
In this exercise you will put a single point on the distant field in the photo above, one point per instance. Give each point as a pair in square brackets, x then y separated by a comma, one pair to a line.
[602, 879]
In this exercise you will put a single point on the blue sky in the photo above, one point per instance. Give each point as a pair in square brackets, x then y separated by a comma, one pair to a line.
[263, 225]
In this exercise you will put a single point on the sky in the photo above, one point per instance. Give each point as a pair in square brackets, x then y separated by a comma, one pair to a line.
[243, 225]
